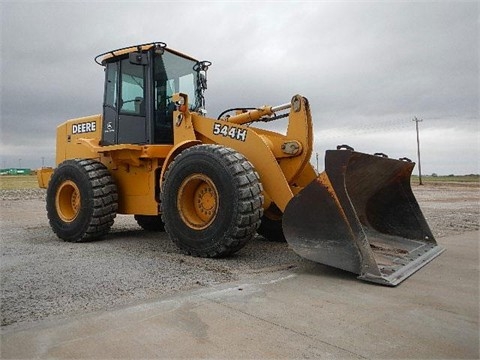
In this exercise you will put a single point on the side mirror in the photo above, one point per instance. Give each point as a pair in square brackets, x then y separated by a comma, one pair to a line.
[138, 58]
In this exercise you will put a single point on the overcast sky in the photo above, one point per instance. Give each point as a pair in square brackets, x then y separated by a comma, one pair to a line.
[367, 68]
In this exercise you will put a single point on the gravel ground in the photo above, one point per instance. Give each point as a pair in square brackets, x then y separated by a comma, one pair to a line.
[44, 277]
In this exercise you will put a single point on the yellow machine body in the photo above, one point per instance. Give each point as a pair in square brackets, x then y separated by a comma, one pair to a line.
[282, 161]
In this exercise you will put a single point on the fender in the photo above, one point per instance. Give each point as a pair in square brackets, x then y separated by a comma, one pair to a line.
[177, 149]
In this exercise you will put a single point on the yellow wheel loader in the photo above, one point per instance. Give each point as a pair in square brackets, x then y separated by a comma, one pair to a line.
[211, 183]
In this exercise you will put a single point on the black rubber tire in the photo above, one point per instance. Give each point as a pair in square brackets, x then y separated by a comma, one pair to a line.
[98, 202]
[150, 222]
[240, 201]
[271, 229]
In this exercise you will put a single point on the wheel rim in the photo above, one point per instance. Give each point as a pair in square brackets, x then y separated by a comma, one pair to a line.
[68, 201]
[197, 201]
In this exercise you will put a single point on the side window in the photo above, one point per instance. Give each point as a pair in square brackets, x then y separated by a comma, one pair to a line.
[170, 88]
[163, 93]
[111, 86]
[174, 74]
[187, 86]
[132, 89]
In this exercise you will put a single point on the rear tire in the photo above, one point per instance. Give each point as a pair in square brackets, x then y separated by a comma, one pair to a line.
[150, 222]
[211, 201]
[81, 200]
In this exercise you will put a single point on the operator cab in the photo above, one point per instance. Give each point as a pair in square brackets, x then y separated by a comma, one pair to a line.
[139, 84]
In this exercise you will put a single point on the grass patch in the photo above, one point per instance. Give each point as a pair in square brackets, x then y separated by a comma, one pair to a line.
[449, 178]
[18, 182]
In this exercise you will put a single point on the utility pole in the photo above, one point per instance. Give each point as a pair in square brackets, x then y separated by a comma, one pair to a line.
[316, 155]
[19, 163]
[418, 150]
[43, 162]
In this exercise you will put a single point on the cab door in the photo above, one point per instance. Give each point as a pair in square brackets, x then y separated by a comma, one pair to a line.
[132, 121]
[125, 114]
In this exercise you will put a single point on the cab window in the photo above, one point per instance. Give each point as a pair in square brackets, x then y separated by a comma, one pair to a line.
[132, 88]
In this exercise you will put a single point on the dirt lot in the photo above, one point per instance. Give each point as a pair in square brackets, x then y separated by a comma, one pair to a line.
[44, 277]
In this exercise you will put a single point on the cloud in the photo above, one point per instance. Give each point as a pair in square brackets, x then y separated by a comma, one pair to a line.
[366, 68]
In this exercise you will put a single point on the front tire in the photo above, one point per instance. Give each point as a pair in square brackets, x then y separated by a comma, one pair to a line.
[211, 201]
[81, 200]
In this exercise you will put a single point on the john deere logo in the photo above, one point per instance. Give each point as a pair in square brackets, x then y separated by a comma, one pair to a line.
[86, 127]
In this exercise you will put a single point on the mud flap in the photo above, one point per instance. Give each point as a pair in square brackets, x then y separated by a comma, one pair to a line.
[360, 215]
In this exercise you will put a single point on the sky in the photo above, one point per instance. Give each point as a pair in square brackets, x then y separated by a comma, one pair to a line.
[367, 68]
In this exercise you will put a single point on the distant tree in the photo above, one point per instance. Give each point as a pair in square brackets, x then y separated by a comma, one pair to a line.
[434, 175]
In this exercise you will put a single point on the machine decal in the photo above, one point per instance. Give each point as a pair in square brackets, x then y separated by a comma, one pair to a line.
[109, 127]
[230, 131]
[85, 127]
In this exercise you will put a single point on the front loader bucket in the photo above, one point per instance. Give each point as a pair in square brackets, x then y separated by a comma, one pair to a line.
[360, 215]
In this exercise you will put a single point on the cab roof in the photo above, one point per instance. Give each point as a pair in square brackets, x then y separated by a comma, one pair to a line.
[103, 58]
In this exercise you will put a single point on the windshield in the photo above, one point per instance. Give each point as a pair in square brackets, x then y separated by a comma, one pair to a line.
[174, 74]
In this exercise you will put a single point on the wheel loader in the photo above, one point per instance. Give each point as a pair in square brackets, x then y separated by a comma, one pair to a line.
[212, 183]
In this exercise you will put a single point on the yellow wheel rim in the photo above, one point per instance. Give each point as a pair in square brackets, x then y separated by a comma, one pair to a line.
[68, 201]
[197, 201]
